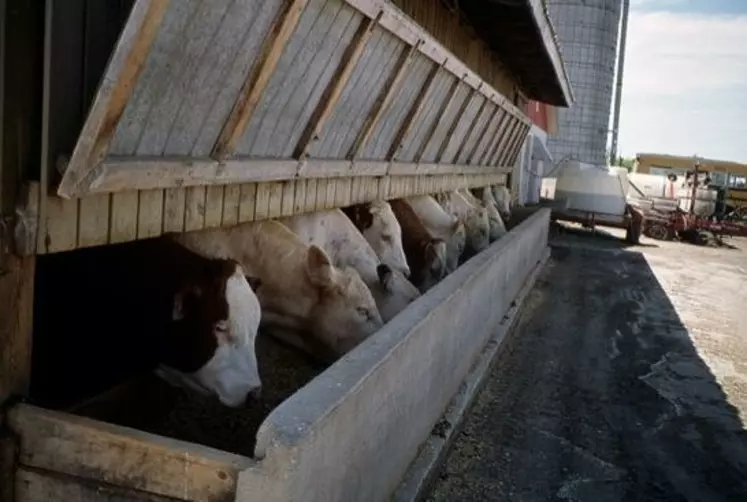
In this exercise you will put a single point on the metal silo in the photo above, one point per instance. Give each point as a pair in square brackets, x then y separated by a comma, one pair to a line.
[587, 31]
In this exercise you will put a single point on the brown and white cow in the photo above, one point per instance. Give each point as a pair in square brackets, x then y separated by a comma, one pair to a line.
[336, 234]
[475, 221]
[157, 305]
[330, 309]
[425, 253]
[380, 227]
[441, 224]
[484, 198]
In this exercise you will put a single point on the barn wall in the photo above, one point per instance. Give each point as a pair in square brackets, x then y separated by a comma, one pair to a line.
[351, 433]
[127, 216]
[459, 38]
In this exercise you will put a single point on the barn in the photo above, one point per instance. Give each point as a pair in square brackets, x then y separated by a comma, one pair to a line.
[123, 120]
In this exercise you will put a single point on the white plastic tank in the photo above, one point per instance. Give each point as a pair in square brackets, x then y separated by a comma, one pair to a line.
[705, 200]
[588, 187]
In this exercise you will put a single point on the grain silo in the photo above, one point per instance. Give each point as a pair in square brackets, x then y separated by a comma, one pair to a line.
[587, 31]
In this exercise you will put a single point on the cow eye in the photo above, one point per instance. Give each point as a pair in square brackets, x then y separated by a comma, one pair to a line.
[386, 238]
[221, 326]
[363, 312]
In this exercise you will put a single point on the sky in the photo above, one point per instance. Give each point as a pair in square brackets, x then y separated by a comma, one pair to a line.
[685, 79]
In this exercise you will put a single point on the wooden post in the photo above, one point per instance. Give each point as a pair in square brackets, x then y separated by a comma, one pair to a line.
[258, 78]
[333, 92]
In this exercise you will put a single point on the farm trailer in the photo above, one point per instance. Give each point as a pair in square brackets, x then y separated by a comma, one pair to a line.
[123, 120]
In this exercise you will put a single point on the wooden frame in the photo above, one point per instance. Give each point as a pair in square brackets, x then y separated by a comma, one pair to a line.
[485, 156]
[434, 125]
[382, 102]
[455, 123]
[333, 92]
[412, 114]
[258, 78]
[481, 135]
[470, 129]
[111, 99]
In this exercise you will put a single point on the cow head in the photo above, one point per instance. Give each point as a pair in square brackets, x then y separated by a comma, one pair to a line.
[345, 313]
[383, 232]
[209, 346]
[434, 256]
[393, 292]
[503, 200]
[477, 226]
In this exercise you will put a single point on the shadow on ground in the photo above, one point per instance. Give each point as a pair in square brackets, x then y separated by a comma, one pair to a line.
[598, 395]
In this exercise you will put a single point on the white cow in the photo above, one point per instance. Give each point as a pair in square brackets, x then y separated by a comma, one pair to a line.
[380, 227]
[485, 199]
[441, 224]
[336, 234]
[331, 310]
[503, 199]
[475, 221]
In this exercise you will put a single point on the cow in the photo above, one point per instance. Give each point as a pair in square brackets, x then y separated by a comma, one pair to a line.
[336, 234]
[425, 253]
[484, 198]
[475, 221]
[503, 199]
[441, 224]
[377, 223]
[154, 305]
[319, 308]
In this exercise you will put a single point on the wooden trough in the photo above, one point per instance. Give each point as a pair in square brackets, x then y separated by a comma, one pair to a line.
[127, 119]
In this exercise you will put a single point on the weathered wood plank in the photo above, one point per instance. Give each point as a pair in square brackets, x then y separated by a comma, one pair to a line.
[445, 104]
[93, 221]
[150, 214]
[32, 486]
[109, 103]
[16, 325]
[477, 150]
[262, 206]
[469, 138]
[247, 203]
[258, 79]
[288, 199]
[492, 139]
[173, 210]
[506, 128]
[231, 196]
[124, 216]
[213, 206]
[510, 140]
[413, 113]
[330, 195]
[194, 210]
[453, 126]
[382, 102]
[299, 198]
[127, 458]
[334, 90]
[276, 199]
[321, 194]
[311, 192]
[61, 225]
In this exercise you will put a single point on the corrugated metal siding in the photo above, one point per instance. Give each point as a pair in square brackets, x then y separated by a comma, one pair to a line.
[367, 81]
[385, 131]
[304, 71]
[176, 108]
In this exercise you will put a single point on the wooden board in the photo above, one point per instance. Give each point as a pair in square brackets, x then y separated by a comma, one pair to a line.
[127, 458]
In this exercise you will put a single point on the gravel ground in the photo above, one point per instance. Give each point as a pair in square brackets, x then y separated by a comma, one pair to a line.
[624, 381]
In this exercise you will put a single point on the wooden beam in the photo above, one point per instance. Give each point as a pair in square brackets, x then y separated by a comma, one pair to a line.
[481, 135]
[437, 120]
[517, 146]
[472, 126]
[382, 102]
[256, 82]
[110, 101]
[510, 144]
[413, 112]
[455, 123]
[101, 452]
[16, 323]
[485, 157]
[334, 90]
[119, 174]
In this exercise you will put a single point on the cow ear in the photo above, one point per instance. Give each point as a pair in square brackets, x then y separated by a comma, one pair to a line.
[319, 267]
[254, 282]
[184, 301]
[384, 272]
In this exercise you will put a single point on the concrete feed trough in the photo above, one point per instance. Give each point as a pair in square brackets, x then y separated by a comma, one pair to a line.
[349, 434]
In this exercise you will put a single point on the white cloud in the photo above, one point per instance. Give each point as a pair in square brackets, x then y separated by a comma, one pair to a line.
[685, 85]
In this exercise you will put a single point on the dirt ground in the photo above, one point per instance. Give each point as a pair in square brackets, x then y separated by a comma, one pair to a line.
[625, 380]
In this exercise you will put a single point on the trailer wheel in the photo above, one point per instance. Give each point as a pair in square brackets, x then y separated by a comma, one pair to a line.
[658, 231]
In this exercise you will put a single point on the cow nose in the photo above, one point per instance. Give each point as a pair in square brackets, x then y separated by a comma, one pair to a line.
[254, 395]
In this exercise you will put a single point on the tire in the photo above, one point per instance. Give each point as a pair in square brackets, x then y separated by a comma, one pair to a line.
[658, 231]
